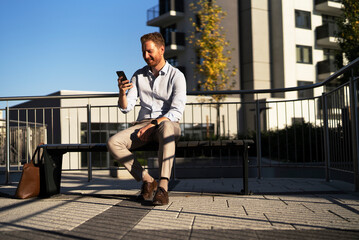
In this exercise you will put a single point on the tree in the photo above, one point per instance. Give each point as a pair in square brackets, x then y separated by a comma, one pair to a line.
[348, 33]
[213, 56]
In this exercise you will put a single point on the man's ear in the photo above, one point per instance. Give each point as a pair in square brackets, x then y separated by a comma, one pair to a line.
[162, 48]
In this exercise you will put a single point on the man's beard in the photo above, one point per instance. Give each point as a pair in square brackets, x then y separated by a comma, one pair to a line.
[152, 62]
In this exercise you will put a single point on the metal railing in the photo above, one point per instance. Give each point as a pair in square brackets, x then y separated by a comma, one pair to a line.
[153, 12]
[165, 7]
[326, 30]
[326, 67]
[319, 132]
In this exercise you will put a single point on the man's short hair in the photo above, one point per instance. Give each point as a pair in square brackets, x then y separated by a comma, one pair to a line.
[155, 37]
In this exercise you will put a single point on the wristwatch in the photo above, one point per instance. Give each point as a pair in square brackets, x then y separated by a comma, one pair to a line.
[154, 122]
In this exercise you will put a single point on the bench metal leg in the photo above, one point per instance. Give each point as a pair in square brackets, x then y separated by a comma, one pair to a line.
[89, 166]
[245, 190]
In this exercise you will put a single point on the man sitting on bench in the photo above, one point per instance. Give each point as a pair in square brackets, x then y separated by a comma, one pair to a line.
[162, 92]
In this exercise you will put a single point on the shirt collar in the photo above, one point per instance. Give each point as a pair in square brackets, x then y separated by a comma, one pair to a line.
[162, 72]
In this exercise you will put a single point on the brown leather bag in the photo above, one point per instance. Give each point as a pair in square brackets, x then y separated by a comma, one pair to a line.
[29, 185]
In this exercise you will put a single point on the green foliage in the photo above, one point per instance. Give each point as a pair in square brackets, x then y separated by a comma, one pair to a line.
[301, 142]
[348, 34]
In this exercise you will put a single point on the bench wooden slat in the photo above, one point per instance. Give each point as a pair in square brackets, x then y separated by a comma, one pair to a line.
[239, 142]
[215, 143]
[203, 143]
[192, 144]
[84, 147]
[226, 142]
[182, 144]
[102, 147]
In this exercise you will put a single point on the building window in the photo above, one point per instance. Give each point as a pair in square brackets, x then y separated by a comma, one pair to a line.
[308, 93]
[329, 54]
[303, 19]
[166, 33]
[304, 54]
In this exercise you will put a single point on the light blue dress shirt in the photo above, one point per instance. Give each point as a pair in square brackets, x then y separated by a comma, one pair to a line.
[164, 96]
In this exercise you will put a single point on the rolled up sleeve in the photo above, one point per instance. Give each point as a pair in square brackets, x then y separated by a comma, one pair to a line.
[179, 98]
[132, 95]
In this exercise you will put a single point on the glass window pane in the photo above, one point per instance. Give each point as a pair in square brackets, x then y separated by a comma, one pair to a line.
[302, 19]
[306, 21]
[299, 58]
[309, 93]
[306, 55]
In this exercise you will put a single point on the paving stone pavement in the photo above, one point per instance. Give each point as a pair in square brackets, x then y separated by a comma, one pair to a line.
[106, 208]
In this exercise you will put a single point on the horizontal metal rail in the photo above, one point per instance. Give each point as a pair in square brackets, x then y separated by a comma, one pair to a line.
[340, 72]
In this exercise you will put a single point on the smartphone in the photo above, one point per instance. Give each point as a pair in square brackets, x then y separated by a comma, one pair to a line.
[121, 74]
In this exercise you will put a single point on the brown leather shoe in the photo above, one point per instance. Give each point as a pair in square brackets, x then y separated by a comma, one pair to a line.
[161, 197]
[147, 190]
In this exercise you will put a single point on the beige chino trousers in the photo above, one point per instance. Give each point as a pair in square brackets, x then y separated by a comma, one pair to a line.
[165, 134]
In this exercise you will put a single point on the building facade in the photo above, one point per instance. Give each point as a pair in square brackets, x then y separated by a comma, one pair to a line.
[277, 43]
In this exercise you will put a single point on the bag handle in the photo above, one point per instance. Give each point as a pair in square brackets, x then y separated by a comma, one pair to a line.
[37, 152]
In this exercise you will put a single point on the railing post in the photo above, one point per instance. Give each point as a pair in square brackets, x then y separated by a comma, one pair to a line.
[245, 190]
[258, 139]
[89, 155]
[354, 128]
[326, 137]
[7, 177]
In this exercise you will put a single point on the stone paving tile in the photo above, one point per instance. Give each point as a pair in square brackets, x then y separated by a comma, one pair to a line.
[114, 223]
[223, 234]
[302, 212]
[283, 215]
[198, 209]
[58, 213]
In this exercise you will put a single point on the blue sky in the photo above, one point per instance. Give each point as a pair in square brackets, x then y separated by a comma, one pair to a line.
[51, 45]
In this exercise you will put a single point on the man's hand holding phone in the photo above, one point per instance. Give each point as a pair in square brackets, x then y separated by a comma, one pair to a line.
[123, 83]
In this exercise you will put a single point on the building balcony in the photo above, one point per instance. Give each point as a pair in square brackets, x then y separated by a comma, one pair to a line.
[325, 69]
[175, 42]
[330, 7]
[326, 36]
[166, 13]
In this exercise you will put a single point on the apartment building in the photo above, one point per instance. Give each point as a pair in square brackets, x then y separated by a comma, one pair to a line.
[277, 43]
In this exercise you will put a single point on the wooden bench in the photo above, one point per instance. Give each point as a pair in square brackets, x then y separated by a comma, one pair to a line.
[51, 165]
